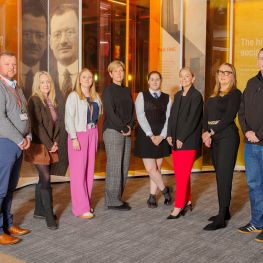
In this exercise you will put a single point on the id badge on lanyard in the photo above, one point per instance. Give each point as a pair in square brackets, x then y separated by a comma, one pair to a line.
[23, 115]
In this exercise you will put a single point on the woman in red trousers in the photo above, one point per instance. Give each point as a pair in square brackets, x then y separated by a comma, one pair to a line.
[184, 135]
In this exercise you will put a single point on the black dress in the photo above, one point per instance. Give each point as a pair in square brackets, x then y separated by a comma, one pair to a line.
[155, 112]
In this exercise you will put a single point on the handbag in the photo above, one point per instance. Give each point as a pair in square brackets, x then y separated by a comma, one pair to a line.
[38, 154]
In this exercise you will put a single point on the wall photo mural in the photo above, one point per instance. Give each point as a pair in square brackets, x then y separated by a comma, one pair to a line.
[50, 42]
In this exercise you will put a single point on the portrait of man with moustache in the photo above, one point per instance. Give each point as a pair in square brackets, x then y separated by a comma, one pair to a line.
[34, 44]
[64, 46]
[64, 34]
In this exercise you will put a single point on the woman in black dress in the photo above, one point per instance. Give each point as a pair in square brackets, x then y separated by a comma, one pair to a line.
[221, 134]
[153, 109]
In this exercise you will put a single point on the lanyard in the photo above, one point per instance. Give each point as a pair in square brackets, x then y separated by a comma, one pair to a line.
[90, 107]
[15, 93]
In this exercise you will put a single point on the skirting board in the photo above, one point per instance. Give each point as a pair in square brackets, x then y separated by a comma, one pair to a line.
[24, 181]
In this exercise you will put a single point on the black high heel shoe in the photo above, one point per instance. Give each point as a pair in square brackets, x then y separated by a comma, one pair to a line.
[188, 207]
[151, 202]
[167, 195]
[181, 213]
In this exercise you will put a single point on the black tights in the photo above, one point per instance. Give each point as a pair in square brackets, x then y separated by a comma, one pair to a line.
[44, 175]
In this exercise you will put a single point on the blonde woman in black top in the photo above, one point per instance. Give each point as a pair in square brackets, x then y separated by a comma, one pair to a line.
[118, 122]
[221, 134]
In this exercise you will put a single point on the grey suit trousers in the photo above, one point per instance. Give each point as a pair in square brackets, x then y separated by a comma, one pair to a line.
[118, 152]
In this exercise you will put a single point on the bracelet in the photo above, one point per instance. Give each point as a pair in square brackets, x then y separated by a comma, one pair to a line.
[211, 132]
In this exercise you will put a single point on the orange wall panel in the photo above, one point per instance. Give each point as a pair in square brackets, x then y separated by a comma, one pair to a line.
[155, 34]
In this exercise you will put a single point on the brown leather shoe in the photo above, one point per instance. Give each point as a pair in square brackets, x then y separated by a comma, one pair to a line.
[8, 240]
[17, 231]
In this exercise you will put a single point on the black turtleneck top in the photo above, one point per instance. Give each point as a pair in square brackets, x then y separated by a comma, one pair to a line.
[220, 112]
[118, 108]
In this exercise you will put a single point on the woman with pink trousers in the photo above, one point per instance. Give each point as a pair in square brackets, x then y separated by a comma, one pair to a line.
[83, 107]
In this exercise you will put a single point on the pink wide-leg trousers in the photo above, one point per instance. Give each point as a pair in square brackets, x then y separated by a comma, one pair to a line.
[81, 167]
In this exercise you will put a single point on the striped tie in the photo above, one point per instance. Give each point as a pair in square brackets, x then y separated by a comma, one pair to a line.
[155, 95]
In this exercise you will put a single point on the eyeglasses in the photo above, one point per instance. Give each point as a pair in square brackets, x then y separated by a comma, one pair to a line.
[69, 33]
[225, 73]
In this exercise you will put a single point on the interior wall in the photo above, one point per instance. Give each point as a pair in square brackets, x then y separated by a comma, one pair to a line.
[205, 45]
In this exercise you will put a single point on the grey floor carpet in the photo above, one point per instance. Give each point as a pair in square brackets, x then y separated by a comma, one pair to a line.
[139, 235]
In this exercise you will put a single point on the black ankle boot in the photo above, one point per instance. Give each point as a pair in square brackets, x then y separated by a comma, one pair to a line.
[219, 222]
[39, 212]
[151, 202]
[39, 209]
[167, 195]
[227, 216]
[47, 204]
[51, 196]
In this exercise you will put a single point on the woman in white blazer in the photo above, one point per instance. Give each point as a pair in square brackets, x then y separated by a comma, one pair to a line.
[83, 108]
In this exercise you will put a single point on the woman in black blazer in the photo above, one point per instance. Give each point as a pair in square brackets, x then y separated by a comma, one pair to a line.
[184, 135]
[42, 108]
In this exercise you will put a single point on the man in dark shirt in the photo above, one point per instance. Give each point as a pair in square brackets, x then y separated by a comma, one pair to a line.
[251, 122]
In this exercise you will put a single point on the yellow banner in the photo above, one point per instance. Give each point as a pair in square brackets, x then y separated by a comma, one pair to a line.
[248, 41]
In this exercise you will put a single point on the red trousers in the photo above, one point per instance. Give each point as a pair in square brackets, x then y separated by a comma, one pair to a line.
[183, 161]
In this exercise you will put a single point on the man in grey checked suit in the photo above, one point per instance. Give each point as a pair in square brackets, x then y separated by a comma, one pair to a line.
[14, 138]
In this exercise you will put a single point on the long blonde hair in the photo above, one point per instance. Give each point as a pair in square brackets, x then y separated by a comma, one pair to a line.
[232, 85]
[93, 94]
[36, 88]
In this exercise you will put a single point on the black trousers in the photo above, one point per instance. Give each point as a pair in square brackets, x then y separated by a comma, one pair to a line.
[224, 154]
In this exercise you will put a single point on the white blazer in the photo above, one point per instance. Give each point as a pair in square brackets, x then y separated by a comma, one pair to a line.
[76, 114]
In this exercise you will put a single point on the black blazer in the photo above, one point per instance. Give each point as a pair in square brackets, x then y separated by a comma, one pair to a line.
[61, 100]
[44, 130]
[60, 168]
[186, 124]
